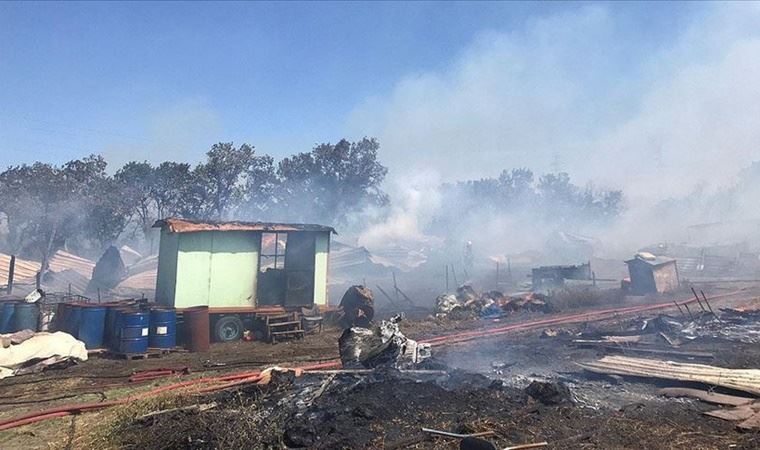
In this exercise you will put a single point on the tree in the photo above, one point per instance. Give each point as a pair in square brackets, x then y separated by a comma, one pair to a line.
[331, 181]
[47, 206]
[171, 190]
[137, 182]
[109, 212]
[221, 179]
[260, 184]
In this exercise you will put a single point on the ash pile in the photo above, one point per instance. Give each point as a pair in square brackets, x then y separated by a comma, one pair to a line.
[467, 303]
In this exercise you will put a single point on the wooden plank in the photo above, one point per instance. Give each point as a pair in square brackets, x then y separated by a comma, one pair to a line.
[653, 351]
[750, 423]
[747, 380]
[706, 396]
[734, 414]
[282, 324]
[279, 333]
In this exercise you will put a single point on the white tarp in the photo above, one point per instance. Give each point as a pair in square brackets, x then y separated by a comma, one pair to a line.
[46, 347]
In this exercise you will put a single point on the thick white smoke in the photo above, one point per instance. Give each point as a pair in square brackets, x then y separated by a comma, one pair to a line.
[569, 92]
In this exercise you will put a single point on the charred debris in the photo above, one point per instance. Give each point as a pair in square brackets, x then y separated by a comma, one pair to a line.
[567, 359]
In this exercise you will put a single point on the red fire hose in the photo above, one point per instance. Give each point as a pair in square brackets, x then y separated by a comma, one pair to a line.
[226, 381]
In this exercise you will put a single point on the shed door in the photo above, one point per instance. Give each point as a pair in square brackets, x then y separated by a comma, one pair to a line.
[299, 269]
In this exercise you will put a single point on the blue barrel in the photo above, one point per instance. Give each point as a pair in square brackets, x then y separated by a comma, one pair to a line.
[73, 319]
[109, 333]
[91, 325]
[115, 326]
[163, 328]
[6, 319]
[26, 316]
[132, 329]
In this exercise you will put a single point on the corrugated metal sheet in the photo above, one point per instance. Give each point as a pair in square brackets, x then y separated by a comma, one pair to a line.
[142, 281]
[656, 261]
[66, 261]
[192, 226]
[61, 264]
[24, 272]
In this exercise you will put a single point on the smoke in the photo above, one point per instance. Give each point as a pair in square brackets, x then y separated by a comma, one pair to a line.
[415, 200]
[670, 119]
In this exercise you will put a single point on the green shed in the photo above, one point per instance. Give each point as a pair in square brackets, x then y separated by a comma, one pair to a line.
[238, 267]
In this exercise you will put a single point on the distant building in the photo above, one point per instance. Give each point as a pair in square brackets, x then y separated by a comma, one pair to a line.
[652, 274]
[553, 277]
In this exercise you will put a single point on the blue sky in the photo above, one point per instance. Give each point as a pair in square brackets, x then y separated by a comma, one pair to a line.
[166, 80]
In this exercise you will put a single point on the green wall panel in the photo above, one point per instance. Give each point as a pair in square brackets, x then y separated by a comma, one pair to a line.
[193, 269]
[166, 279]
[234, 267]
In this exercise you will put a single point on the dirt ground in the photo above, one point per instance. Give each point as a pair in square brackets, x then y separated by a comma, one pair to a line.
[388, 410]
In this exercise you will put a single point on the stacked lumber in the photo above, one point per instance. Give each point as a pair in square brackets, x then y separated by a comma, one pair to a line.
[746, 380]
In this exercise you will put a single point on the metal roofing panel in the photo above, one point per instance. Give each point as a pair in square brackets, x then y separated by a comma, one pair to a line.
[176, 225]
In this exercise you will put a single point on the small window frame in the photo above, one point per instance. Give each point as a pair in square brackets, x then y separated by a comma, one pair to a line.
[279, 257]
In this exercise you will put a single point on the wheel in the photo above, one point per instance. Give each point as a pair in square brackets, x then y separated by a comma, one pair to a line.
[228, 328]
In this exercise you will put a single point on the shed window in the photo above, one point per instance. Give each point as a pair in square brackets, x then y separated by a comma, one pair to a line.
[273, 250]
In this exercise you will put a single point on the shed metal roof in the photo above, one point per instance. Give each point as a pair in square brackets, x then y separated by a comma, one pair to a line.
[656, 261]
[177, 225]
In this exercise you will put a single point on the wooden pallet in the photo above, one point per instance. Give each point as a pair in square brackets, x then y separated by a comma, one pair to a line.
[151, 353]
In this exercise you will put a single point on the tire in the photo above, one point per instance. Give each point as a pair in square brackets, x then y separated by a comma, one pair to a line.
[228, 329]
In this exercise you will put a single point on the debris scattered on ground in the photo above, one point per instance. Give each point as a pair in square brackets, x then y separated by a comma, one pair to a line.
[707, 396]
[556, 332]
[744, 410]
[549, 393]
[732, 325]
[468, 303]
[381, 345]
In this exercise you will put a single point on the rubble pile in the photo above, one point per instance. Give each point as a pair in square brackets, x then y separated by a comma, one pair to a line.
[732, 325]
[381, 345]
[468, 303]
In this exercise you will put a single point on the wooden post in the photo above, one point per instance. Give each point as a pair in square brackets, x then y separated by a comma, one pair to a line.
[98, 295]
[395, 286]
[38, 279]
[447, 277]
[11, 272]
[697, 297]
[688, 311]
